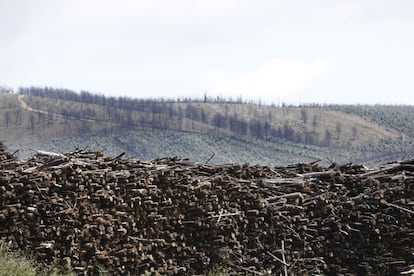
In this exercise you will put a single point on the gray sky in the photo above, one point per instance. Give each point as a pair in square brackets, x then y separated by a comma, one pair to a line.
[324, 51]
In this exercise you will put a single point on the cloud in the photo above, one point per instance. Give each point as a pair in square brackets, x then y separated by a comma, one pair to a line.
[348, 9]
[157, 11]
[276, 79]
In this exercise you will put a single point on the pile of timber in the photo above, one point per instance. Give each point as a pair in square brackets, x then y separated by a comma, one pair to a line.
[7, 160]
[90, 213]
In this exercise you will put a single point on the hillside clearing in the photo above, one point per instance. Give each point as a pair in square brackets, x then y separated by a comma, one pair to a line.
[231, 131]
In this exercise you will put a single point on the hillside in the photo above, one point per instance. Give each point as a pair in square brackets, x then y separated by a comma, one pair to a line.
[217, 129]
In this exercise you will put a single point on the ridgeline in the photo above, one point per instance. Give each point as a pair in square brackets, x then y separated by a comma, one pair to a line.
[214, 129]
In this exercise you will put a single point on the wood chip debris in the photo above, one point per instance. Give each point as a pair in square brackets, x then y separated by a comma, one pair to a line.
[174, 216]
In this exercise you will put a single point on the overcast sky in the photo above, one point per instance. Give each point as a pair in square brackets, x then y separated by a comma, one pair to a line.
[324, 51]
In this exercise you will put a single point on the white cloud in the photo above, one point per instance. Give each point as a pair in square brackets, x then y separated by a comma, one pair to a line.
[277, 79]
[348, 9]
[109, 11]
[175, 48]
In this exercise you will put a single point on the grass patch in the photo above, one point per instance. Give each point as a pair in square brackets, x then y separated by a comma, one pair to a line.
[12, 263]
[22, 264]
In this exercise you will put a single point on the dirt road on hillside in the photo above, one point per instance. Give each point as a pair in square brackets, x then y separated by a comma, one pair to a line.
[25, 106]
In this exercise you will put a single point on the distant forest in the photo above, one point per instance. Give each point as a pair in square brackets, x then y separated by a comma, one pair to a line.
[198, 115]
[172, 114]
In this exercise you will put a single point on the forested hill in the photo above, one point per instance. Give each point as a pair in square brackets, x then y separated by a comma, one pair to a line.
[224, 130]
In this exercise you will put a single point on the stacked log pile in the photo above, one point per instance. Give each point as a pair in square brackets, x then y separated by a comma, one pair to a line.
[171, 216]
[7, 160]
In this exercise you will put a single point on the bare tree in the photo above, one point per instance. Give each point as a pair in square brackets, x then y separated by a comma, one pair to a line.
[7, 118]
[314, 122]
[32, 122]
[18, 116]
[327, 139]
[304, 114]
[354, 130]
[338, 130]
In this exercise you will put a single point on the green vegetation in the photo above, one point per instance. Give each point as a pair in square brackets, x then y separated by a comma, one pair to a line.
[18, 263]
[22, 264]
[14, 263]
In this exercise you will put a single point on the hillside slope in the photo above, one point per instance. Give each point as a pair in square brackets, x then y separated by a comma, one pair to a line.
[224, 131]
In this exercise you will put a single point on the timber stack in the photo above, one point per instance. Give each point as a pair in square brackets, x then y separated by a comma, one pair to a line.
[90, 213]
